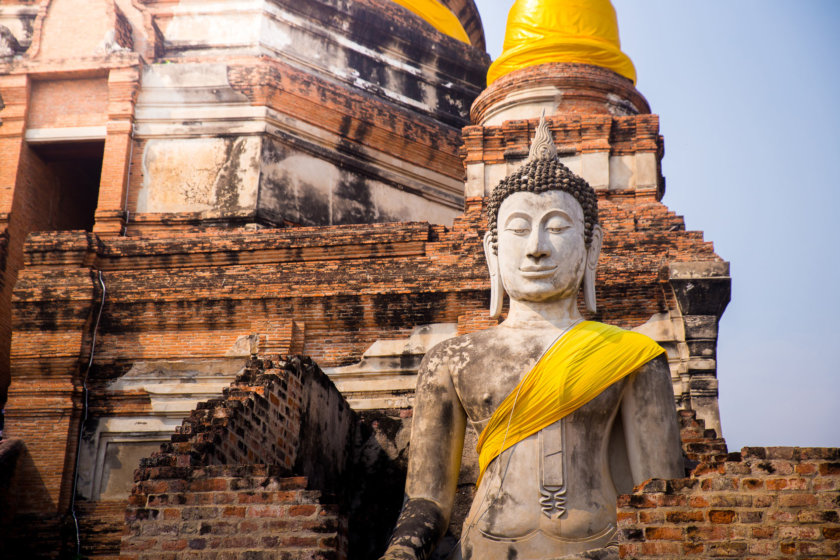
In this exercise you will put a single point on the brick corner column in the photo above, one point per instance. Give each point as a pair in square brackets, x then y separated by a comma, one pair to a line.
[123, 85]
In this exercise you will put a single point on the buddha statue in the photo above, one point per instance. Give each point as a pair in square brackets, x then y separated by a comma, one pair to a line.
[571, 412]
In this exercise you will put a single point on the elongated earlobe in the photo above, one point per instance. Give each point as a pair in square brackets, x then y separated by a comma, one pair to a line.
[497, 290]
[590, 272]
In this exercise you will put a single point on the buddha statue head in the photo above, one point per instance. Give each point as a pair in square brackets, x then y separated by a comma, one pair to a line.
[544, 239]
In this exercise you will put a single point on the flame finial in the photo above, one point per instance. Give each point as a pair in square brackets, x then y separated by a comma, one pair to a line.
[543, 144]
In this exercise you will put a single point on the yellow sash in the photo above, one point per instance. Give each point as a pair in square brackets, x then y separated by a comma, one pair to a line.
[438, 16]
[582, 363]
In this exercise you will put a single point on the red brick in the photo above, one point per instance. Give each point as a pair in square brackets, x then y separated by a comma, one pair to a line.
[691, 516]
[830, 469]
[664, 534]
[302, 511]
[763, 532]
[805, 468]
[776, 484]
[797, 500]
[661, 548]
[175, 544]
[721, 516]
[831, 533]
[727, 550]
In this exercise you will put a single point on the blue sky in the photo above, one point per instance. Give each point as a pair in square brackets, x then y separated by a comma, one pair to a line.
[748, 95]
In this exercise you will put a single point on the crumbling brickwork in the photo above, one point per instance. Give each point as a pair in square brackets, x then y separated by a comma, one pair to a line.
[225, 487]
[775, 502]
[232, 512]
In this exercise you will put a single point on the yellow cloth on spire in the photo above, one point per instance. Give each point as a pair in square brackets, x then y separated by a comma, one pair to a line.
[438, 16]
[580, 31]
[576, 369]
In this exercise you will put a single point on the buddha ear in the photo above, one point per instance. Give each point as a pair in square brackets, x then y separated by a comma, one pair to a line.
[593, 252]
[497, 290]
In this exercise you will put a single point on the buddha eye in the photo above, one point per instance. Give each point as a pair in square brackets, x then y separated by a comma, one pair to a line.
[557, 224]
[518, 226]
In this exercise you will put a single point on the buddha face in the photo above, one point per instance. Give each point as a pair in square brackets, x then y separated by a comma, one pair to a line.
[541, 251]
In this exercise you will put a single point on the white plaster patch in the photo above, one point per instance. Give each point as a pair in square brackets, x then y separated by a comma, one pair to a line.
[173, 77]
[474, 185]
[244, 346]
[527, 103]
[277, 37]
[216, 175]
[492, 175]
[111, 452]
[647, 175]
[595, 169]
[574, 163]
[622, 172]
[233, 28]
[401, 206]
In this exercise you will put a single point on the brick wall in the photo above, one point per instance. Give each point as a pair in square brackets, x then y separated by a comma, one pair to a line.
[774, 502]
[65, 19]
[69, 103]
[231, 512]
[226, 484]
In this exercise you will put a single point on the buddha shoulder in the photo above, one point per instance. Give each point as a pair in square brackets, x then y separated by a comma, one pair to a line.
[497, 352]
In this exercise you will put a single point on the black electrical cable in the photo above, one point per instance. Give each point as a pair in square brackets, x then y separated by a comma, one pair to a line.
[85, 417]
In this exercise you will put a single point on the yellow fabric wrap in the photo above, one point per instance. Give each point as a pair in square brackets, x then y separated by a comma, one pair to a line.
[438, 16]
[542, 31]
[576, 369]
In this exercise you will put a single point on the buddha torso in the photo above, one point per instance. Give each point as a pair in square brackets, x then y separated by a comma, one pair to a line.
[552, 492]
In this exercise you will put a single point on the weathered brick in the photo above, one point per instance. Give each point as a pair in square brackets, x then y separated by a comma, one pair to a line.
[690, 516]
[727, 550]
[830, 469]
[664, 534]
[721, 516]
[831, 533]
[797, 500]
[763, 532]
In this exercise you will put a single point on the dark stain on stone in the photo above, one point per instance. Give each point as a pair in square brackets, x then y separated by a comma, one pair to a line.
[385, 424]
[349, 311]
[369, 70]
[353, 204]
[767, 467]
[228, 183]
[424, 308]
[447, 414]
[310, 206]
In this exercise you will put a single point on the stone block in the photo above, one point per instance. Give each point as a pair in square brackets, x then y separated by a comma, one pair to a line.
[701, 326]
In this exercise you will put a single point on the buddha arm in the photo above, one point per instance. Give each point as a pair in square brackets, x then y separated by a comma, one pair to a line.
[651, 429]
[437, 440]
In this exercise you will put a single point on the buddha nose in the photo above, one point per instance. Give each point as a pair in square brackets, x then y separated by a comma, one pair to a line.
[537, 247]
